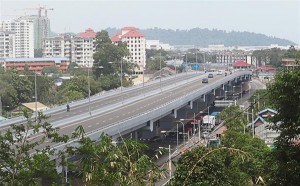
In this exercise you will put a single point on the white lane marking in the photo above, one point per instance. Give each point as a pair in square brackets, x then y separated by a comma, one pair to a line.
[89, 126]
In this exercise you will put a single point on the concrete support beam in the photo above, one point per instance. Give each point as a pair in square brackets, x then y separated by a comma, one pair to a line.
[191, 104]
[151, 125]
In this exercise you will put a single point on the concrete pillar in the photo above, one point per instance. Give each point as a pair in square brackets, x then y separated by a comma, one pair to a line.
[151, 125]
[191, 104]
[174, 113]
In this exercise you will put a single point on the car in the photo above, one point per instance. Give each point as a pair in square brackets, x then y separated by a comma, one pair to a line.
[204, 80]
[220, 72]
[210, 75]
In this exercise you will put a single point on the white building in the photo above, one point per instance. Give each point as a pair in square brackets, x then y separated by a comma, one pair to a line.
[24, 36]
[157, 45]
[78, 49]
[7, 44]
[136, 44]
[262, 124]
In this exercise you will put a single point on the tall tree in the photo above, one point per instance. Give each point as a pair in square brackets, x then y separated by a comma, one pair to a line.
[285, 98]
[22, 162]
[108, 164]
[233, 117]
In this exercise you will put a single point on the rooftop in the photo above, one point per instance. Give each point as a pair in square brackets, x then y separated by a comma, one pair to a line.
[56, 59]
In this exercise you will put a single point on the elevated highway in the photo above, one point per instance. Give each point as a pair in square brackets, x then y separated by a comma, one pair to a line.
[141, 106]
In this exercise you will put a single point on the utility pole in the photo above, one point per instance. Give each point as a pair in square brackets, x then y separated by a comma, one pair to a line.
[170, 163]
[160, 70]
[35, 95]
[258, 102]
[0, 107]
[252, 124]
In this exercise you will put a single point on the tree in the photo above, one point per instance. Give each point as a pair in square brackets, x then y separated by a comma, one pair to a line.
[284, 96]
[154, 63]
[203, 166]
[22, 162]
[108, 164]
[258, 152]
[107, 52]
[234, 118]
[51, 70]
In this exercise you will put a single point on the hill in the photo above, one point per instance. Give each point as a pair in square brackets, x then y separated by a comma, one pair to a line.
[204, 37]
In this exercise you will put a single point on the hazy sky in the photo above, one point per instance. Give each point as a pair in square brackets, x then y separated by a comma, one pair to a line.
[273, 18]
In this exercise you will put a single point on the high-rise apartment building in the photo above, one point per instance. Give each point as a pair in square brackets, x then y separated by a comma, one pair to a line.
[41, 28]
[136, 44]
[78, 48]
[7, 44]
[24, 36]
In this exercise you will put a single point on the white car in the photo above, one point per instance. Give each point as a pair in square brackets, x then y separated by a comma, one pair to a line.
[220, 72]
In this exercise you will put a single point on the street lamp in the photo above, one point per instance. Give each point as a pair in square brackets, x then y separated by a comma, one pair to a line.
[121, 77]
[181, 121]
[186, 63]
[170, 165]
[35, 93]
[89, 87]
[241, 92]
[160, 70]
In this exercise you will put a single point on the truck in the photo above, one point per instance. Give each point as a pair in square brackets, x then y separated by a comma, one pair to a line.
[208, 122]
[217, 120]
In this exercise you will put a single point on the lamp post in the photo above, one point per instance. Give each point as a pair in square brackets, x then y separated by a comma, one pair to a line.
[89, 87]
[160, 71]
[121, 78]
[197, 63]
[35, 94]
[242, 92]
[170, 165]
[186, 63]
[182, 132]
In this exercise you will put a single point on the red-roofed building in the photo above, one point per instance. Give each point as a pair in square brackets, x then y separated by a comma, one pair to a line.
[88, 33]
[265, 73]
[136, 44]
[241, 64]
[77, 48]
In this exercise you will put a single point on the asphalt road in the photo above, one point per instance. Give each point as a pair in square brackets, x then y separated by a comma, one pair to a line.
[113, 98]
[126, 111]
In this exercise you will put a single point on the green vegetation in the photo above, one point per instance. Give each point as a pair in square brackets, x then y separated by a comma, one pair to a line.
[24, 162]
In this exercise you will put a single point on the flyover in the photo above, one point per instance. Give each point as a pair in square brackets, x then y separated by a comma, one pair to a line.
[137, 107]
[144, 112]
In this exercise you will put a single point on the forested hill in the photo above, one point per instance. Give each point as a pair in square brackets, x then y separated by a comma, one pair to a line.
[203, 37]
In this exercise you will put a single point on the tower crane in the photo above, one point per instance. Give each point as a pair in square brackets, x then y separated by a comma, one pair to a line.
[46, 9]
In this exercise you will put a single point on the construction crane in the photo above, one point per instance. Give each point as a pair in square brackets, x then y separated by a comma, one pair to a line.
[46, 9]
[39, 10]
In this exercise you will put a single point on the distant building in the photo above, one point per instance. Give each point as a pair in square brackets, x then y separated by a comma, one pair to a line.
[7, 44]
[157, 45]
[78, 48]
[35, 64]
[289, 63]
[262, 124]
[136, 44]
[229, 57]
[241, 65]
[24, 36]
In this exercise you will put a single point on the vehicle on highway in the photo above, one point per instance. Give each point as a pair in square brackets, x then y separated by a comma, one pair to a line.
[204, 80]
[208, 122]
[210, 75]
[220, 72]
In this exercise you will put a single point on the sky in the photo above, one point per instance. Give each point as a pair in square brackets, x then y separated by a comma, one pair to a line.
[270, 17]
